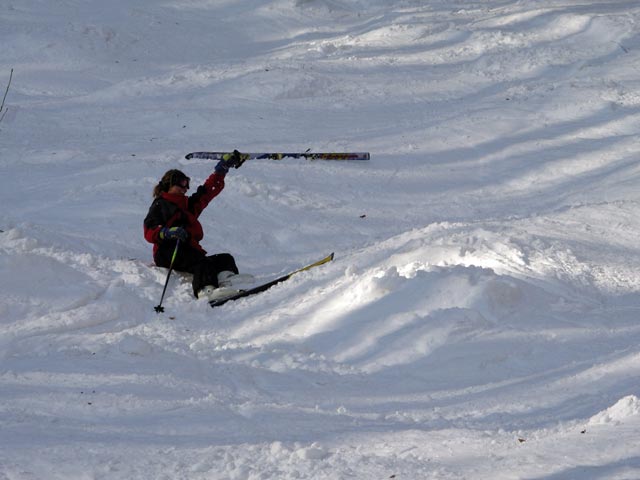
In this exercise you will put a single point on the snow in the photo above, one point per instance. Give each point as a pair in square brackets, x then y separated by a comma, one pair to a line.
[480, 319]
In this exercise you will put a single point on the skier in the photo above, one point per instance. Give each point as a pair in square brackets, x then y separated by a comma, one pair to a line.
[173, 217]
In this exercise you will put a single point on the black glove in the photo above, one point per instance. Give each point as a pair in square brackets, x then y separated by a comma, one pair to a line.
[234, 159]
[173, 233]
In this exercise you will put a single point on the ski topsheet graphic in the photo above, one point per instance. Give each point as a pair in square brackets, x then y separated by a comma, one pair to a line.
[280, 156]
[268, 285]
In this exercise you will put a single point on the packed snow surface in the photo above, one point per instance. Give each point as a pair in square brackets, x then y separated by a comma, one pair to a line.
[480, 319]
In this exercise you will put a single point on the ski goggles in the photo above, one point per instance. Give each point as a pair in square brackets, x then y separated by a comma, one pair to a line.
[181, 182]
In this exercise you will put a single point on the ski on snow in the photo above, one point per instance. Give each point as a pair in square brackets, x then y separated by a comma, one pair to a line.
[268, 285]
[280, 156]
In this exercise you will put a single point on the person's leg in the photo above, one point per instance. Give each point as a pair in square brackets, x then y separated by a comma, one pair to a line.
[185, 260]
[206, 271]
[223, 262]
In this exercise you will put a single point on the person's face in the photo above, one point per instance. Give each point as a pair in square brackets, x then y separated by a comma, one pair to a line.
[180, 188]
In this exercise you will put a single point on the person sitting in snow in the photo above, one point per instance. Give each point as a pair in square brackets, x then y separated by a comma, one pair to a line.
[173, 217]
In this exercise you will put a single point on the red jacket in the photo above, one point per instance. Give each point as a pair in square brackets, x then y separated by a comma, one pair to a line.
[175, 210]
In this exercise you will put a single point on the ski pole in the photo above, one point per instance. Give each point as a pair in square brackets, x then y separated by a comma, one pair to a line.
[159, 308]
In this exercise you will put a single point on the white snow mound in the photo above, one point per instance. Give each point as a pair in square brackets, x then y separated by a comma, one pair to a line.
[624, 408]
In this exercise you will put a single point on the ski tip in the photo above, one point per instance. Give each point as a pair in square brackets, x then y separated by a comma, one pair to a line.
[331, 255]
[189, 156]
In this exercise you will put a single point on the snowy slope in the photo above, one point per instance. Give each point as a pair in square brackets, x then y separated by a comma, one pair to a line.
[480, 319]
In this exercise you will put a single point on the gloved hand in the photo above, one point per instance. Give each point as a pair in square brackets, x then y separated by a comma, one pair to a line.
[173, 233]
[235, 160]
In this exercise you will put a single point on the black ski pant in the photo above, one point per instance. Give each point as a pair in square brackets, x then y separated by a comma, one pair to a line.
[204, 268]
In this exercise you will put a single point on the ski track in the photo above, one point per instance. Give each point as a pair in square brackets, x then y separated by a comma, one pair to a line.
[480, 317]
